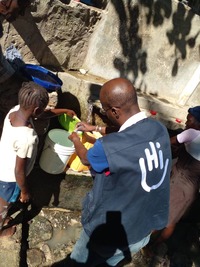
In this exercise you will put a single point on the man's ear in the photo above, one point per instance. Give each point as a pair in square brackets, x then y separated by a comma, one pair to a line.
[115, 112]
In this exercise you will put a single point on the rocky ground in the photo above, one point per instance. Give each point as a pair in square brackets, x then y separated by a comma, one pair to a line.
[47, 231]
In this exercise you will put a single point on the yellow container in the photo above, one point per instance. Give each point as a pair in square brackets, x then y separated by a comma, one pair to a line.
[75, 162]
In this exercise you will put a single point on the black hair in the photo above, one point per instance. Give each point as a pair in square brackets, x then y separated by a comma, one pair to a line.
[33, 95]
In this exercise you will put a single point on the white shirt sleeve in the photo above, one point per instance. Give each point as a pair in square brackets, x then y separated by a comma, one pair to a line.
[25, 146]
[188, 135]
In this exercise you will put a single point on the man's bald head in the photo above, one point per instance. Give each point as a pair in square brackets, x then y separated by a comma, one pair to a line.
[119, 100]
[118, 92]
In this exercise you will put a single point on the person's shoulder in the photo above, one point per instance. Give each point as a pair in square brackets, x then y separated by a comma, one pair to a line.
[15, 108]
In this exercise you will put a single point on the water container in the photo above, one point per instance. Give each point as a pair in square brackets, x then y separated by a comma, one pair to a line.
[75, 163]
[42, 76]
[56, 152]
[67, 122]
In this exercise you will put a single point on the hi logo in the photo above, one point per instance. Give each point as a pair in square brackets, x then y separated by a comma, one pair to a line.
[155, 160]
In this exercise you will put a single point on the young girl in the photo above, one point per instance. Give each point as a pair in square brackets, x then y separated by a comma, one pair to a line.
[18, 148]
[19, 145]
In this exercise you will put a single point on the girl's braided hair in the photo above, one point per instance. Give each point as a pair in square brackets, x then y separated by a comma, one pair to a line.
[33, 95]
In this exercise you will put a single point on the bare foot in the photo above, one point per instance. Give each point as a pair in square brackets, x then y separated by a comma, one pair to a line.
[8, 232]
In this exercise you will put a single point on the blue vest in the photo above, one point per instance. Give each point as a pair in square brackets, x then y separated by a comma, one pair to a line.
[136, 186]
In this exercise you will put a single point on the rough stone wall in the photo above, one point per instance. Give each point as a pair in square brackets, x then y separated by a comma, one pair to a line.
[153, 43]
[53, 33]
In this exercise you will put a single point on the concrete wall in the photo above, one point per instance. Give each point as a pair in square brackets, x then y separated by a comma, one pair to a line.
[156, 44]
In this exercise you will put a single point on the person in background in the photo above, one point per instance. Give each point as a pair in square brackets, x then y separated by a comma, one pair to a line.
[185, 175]
[130, 195]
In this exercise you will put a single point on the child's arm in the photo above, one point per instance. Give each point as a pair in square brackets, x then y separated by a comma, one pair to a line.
[20, 175]
[50, 113]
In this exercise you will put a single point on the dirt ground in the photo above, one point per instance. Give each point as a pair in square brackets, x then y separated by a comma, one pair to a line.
[181, 250]
[66, 191]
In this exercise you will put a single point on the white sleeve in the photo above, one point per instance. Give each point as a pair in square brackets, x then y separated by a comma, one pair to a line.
[25, 146]
[25, 150]
[187, 135]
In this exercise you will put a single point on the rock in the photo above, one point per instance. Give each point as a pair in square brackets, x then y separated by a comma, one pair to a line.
[40, 230]
[35, 257]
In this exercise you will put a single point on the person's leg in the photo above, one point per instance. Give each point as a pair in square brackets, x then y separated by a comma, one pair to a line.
[131, 250]
[8, 191]
[166, 233]
[84, 254]
[80, 251]
[4, 219]
[158, 238]
[3, 211]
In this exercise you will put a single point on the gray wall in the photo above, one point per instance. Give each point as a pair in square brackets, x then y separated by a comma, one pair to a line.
[156, 44]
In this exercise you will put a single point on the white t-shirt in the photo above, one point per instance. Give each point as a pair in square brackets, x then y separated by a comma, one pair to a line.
[16, 141]
[191, 139]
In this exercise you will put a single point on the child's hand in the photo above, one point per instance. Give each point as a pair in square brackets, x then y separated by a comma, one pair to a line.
[70, 113]
[24, 197]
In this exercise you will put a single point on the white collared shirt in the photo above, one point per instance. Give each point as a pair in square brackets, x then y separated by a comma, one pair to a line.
[133, 119]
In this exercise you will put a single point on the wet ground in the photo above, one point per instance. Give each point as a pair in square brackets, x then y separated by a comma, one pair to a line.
[58, 201]
[55, 226]
[67, 192]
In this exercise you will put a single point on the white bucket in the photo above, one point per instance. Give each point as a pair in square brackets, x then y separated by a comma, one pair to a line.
[56, 152]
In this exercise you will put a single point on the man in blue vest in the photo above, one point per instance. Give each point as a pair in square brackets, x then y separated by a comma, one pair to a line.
[130, 195]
